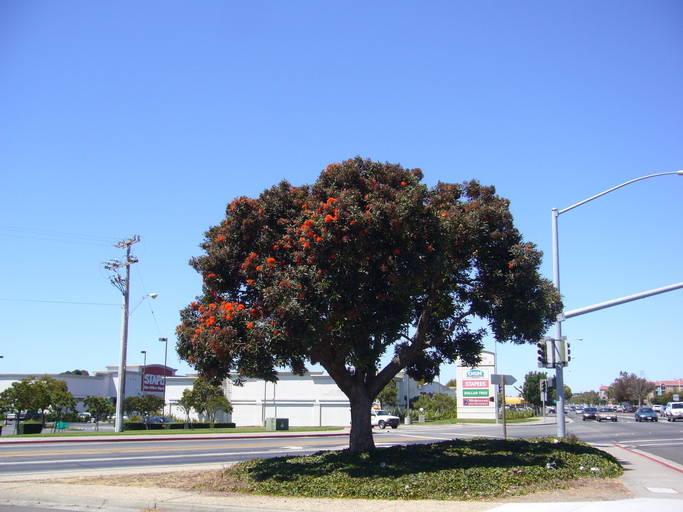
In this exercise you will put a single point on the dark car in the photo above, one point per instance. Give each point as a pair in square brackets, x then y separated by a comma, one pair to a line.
[158, 419]
[589, 413]
[606, 414]
[646, 414]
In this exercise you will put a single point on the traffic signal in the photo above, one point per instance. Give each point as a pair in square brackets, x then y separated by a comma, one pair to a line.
[544, 386]
[551, 382]
[542, 354]
[568, 353]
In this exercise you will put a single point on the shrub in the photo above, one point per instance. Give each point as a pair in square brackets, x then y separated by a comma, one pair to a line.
[30, 427]
[451, 470]
[223, 425]
[436, 406]
[134, 425]
[514, 414]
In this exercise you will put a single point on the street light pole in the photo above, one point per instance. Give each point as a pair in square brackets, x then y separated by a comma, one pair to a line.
[144, 369]
[165, 340]
[124, 286]
[559, 369]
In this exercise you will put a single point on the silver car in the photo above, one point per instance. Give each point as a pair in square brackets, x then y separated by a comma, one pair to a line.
[674, 411]
[606, 414]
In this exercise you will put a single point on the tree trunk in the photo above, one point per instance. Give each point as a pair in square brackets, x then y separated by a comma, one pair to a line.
[361, 439]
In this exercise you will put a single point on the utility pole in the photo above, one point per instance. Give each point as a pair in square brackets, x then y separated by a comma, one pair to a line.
[123, 284]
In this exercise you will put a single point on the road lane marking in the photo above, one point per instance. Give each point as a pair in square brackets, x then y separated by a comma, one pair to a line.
[146, 457]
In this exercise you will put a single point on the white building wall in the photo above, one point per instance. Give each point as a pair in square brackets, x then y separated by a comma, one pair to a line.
[311, 400]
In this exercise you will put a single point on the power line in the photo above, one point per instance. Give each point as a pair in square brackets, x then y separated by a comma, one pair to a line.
[61, 302]
[54, 236]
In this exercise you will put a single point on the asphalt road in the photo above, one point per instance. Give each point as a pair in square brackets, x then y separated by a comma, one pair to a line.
[662, 439]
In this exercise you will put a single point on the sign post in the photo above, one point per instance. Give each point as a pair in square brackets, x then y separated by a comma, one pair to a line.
[503, 380]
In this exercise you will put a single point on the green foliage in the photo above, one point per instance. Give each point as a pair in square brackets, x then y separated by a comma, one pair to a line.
[531, 388]
[453, 470]
[338, 272]
[436, 407]
[99, 408]
[630, 388]
[30, 427]
[205, 398]
[389, 395]
[145, 405]
[664, 398]
[588, 397]
[44, 394]
[516, 414]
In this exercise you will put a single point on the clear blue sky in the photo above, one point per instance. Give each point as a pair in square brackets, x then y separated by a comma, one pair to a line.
[146, 118]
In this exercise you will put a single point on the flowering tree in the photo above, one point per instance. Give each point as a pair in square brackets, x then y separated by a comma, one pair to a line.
[365, 262]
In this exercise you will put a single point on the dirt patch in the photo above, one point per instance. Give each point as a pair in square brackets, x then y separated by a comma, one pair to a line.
[209, 481]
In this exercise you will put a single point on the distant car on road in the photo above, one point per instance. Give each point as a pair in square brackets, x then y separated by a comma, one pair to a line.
[606, 414]
[646, 414]
[674, 411]
[589, 413]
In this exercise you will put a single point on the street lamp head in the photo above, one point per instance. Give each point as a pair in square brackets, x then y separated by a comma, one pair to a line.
[153, 295]
[680, 173]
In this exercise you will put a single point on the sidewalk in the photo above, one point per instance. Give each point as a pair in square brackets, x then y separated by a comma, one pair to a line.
[656, 483]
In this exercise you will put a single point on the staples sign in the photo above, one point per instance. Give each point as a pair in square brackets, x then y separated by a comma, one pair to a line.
[153, 380]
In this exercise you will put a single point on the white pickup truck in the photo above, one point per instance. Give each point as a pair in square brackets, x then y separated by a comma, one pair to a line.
[382, 418]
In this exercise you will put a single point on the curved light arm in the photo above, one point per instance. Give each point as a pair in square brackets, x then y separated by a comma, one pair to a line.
[680, 173]
[153, 295]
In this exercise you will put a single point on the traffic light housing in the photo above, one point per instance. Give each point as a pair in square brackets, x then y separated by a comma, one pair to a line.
[551, 382]
[568, 353]
[542, 354]
[544, 386]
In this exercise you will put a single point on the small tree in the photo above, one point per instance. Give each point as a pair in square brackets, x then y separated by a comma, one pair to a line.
[206, 398]
[53, 395]
[388, 397]
[145, 405]
[39, 395]
[99, 408]
[185, 403]
[19, 398]
[531, 388]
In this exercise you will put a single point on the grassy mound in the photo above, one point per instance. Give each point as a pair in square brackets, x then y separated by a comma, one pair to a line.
[451, 470]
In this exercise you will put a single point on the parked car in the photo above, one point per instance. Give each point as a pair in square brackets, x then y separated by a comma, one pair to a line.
[381, 419]
[674, 411]
[158, 419]
[646, 414]
[606, 414]
[589, 413]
